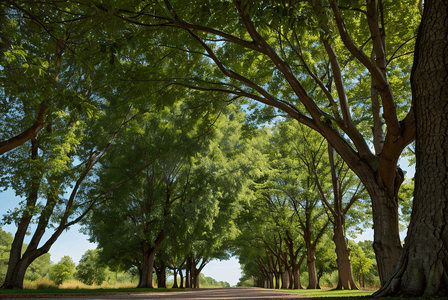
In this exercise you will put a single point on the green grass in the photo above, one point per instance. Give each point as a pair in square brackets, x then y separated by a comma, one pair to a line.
[330, 293]
[87, 291]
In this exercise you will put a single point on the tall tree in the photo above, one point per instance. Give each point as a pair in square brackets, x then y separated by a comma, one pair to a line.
[50, 170]
[339, 190]
[52, 94]
[297, 59]
[422, 268]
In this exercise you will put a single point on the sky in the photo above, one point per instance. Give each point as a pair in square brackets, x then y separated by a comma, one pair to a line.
[74, 244]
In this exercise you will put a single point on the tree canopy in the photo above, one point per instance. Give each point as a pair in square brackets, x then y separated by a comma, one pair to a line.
[204, 121]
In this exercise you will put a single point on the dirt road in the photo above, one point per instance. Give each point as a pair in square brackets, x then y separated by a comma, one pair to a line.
[238, 293]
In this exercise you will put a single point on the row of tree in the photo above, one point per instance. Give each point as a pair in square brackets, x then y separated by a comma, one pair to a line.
[303, 195]
[362, 256]
[77, 77]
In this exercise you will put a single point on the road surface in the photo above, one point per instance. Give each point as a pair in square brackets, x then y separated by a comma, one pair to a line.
[238, 293]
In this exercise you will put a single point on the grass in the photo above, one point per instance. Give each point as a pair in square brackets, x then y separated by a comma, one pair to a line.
[331, 293]
[45, 286]
[87, 291]
[338, 294]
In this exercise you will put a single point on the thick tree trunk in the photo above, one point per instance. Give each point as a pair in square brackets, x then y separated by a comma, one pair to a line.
[161, 275]
[149, 254]
[345, 272]
[386, 237]
[311, 263]
[15, 277]
[290, 279]
[423, 265]
[296, 275]
[196, 281]
[192, 273]
[285, 280]
[147, 267]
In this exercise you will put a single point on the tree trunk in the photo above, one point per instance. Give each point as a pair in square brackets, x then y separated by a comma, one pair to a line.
[161, 275]
[148, 261]
[175, 286]
[277, 281]
[16, 266]
[270, 281]
[14, 278]
[386, 237]
[311, 263]
[196, 281]
[423, 265]
[147, 267]
[290, 279]
[285, 280]
[345, 272]
[187, 274]
[181, 279]
[319, 275]
[296, 274]
[192, 273]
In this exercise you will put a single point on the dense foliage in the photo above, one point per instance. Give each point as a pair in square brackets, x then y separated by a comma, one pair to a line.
[178, 132]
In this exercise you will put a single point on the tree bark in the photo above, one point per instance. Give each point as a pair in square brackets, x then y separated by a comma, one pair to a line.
[175, 285]
[277, 281]
[28, 134]
[285, 280]
[345, 272]
[311, 263]
[422, 268]
[161, 275]
[386, 237]
[147, 267]
[187, 274]
[149, 254]
[181, 279]
[345, 278]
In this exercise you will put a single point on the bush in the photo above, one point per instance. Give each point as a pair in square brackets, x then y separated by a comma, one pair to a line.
[40, 284]
[329, 280]
[90, 270]
[63, 270]
[248, 282]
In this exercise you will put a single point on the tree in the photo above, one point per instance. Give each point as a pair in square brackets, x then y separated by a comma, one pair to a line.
[63, 270]
[39, 268]
[259, 51]
[131, 225]
[341, 193]
[50, 170]
[296, 183]
[6, 239]
[361, 264]
[422, 265]
[269, 221]
[219, 171]
[53, 96]
[89, 269]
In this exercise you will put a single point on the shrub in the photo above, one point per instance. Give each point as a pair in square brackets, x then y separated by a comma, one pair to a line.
[39, 284]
